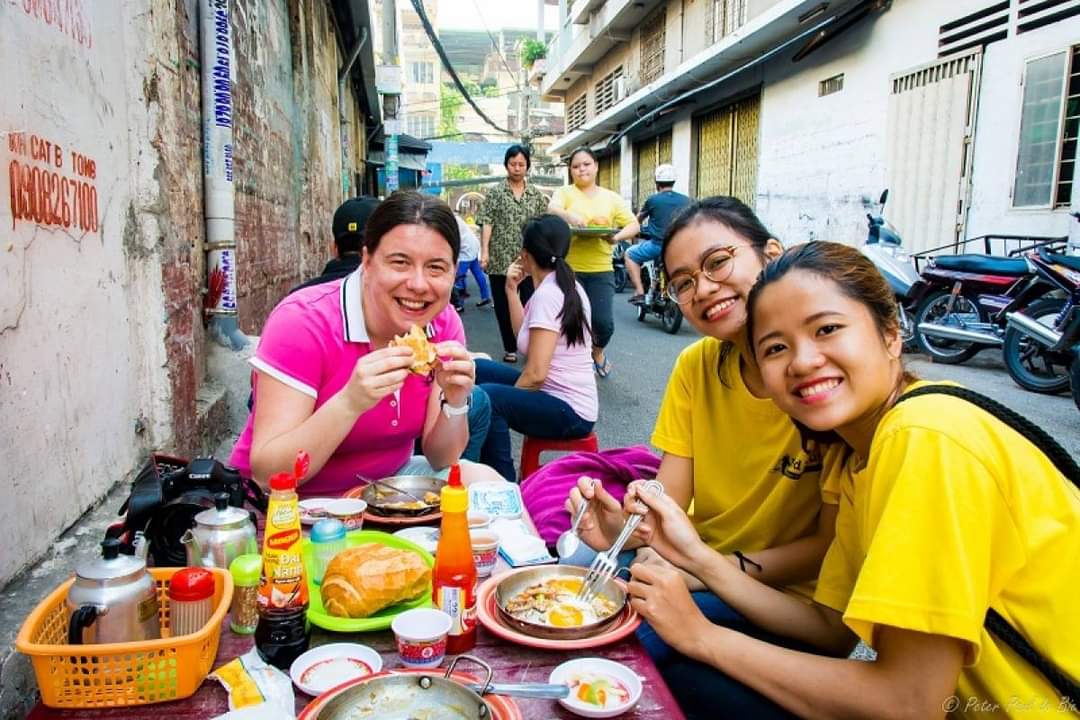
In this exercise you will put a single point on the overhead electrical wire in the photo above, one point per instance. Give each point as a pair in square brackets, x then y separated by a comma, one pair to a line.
[496, 44]
[418, 6]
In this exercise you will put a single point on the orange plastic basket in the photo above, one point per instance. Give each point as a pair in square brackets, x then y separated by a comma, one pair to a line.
[121, 674]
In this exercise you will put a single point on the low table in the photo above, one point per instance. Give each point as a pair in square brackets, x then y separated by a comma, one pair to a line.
[510, 663]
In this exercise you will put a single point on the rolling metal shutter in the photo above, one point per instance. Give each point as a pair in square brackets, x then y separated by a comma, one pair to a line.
[727, 151]
[930, 135]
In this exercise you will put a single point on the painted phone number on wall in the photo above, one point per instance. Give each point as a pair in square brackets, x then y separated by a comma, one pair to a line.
[48, 198]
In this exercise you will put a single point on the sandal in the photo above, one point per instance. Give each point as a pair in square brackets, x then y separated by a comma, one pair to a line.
[510, 358]
[602, 369]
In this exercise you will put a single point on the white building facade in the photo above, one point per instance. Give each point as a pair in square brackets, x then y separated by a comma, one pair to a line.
[967, 110]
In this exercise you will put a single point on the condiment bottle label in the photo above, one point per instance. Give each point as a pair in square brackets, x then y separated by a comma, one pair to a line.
[452, 601]
[282, 584]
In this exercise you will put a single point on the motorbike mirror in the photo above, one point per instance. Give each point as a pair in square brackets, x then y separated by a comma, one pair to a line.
[884, 197]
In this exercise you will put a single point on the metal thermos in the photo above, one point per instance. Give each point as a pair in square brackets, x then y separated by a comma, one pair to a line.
[113, 599]
[220, 535]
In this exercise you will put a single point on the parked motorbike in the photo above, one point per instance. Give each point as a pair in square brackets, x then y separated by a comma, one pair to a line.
[657, 302]
[884, 248]
[964, 302]
[1042, 341]
[618, 264]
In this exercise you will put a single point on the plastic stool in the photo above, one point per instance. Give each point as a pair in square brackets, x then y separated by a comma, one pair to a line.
[533, 446]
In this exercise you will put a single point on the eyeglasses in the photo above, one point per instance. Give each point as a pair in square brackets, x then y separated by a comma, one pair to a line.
[716, 266]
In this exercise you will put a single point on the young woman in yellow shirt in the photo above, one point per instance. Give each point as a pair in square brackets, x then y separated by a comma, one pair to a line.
[581, 204]
[947, 513]
[759, 497]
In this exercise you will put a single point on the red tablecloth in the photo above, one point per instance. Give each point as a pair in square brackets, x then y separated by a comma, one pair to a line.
[512, 663]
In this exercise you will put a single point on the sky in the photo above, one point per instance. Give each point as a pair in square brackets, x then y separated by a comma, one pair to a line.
[495, 14]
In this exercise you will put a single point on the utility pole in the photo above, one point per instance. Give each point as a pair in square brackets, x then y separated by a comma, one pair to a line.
[389, 84]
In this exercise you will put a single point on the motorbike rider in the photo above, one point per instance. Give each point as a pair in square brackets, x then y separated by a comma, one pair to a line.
[659, 209]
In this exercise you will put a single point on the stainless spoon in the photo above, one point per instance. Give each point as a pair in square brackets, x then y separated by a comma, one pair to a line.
[568, 542]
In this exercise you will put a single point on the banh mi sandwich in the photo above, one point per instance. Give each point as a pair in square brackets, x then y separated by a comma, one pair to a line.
[424, 355]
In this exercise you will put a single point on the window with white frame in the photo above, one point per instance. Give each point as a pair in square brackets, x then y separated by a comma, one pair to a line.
[423, 73]
[724, 18]
[1050, 115]
[421, 126]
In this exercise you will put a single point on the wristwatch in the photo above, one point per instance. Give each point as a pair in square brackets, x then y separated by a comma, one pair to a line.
[451, 411]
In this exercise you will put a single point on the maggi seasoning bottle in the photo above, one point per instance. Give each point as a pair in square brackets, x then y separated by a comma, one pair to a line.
[282, 634]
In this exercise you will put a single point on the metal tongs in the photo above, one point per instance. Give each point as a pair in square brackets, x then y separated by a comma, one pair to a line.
[605, 564]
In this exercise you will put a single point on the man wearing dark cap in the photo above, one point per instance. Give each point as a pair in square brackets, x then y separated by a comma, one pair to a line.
[348, 228]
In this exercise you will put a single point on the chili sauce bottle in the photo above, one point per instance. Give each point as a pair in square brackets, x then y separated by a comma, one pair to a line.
[454, 577]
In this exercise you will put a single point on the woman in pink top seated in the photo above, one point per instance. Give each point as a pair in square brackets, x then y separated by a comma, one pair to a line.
[555, 395]
[326, 381]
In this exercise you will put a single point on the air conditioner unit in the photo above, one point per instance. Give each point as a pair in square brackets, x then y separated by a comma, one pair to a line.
[619, 91]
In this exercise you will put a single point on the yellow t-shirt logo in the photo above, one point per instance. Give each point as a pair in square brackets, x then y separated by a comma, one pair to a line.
[796, 467]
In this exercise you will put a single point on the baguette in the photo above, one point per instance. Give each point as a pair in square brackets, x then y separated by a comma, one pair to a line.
[362, 580]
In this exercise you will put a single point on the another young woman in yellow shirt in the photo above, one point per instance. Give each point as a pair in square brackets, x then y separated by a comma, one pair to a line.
[728, 449]
[581, 204]
[948, 513]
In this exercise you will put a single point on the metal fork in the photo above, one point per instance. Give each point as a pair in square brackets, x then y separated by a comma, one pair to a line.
[605, 564]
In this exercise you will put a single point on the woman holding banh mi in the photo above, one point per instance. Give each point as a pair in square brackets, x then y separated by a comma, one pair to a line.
[760, 494]
[957, 538]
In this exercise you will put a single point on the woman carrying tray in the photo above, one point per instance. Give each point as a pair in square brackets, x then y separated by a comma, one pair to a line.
[582, 204]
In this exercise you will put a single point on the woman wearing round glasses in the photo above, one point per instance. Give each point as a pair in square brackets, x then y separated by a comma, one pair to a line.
[759, 496]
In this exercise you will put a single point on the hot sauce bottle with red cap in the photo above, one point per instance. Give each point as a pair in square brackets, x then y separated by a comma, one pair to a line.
[454, 577]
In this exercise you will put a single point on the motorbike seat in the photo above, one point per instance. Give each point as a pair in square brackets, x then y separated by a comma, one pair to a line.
[982, 264]
[1070, 261]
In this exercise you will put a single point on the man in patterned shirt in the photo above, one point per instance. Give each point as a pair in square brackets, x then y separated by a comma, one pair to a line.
[506, 208]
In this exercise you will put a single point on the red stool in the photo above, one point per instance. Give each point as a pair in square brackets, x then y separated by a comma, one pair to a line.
[533, 446]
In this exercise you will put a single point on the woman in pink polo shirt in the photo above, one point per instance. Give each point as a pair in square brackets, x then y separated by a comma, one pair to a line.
[555, 395]
[327, 382]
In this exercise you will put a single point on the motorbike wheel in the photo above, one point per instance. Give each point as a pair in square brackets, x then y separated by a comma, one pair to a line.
[1029, 363]
[671, 318]
[642, 313]
[932, 309]
[621, 279]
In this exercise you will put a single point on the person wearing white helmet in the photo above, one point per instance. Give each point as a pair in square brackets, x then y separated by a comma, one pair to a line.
[655, 216]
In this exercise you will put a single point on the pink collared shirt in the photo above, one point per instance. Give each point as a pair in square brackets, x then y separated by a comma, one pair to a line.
[311, 342]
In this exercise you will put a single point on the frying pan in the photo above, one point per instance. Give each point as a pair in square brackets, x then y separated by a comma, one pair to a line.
[406, 696]
[515, 582]
[378, 497]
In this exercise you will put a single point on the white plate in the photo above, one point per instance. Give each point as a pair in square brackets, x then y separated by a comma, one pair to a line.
[497, 499]
[425, 537]
[564, 674]
[327, 666]
[313, 510]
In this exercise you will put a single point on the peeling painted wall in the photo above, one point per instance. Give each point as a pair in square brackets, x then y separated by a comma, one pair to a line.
[84, 386]
[102, 341]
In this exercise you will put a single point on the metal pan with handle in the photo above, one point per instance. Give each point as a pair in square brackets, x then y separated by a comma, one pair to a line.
[382, 500]
[400, 696]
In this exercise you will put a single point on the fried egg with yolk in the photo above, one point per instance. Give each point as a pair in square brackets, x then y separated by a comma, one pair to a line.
[570, 612]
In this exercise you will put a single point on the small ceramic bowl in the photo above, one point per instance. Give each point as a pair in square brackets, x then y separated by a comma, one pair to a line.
[620, 686]
[313, 509]
[327, 666]
[425, 537]
[350, 511]
[478, 520]
[485, 551]
[421, 637]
